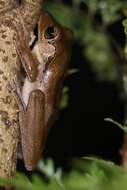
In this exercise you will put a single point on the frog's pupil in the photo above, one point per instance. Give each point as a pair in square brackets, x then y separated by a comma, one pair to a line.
[49, 33]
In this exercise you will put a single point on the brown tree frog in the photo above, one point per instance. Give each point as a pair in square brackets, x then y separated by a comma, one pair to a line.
[51, 53]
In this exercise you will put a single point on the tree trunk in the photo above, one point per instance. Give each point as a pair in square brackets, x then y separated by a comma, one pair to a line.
[9, 75]
[30, 10]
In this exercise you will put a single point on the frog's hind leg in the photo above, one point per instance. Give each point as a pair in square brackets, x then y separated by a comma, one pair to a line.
[33, 129]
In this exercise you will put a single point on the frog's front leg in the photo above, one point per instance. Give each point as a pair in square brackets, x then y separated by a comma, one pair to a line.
[32, 127]
[29, 62]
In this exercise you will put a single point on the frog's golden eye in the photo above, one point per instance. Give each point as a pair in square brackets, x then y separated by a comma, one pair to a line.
[50, 33]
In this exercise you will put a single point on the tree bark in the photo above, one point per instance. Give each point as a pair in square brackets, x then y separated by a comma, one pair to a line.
[9, 75]
[6, 5]
[28, 12]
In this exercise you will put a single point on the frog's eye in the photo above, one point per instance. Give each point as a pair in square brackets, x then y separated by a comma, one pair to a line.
[50, 33]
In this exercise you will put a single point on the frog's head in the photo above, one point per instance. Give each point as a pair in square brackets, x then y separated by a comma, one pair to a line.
[51, 35]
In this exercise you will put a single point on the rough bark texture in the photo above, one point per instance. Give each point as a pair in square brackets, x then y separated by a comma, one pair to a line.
[28, 12]
[9, 129]
[6, 5]
[10, 73]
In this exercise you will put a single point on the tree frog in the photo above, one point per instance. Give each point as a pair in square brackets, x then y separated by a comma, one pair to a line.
[51, 55]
